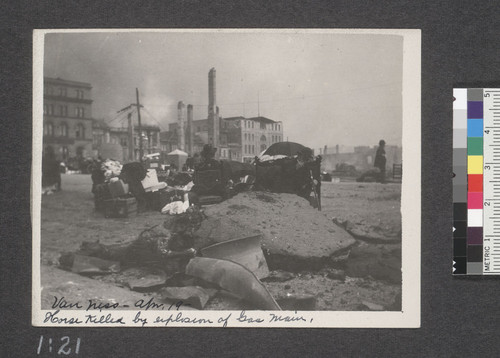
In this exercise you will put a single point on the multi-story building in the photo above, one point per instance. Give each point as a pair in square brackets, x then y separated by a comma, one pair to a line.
[236, 138]
[114, 142]
[67, 118]
[240, 138]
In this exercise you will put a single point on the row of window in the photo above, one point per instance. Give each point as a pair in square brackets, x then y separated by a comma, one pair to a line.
[250, 137]
[62, 130]
[249, 149]
[250, 124]
[63, 92]
[62, 110]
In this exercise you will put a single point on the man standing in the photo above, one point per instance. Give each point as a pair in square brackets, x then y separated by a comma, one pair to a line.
[380, 160]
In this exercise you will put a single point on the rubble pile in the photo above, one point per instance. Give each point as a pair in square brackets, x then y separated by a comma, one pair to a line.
[270, 215]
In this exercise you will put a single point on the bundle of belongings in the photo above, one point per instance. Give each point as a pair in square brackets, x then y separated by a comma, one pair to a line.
[299, 174]
[122, 190]
[114, 196]
[216, 180]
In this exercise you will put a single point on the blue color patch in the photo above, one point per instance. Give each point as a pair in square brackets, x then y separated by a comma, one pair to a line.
[474, 128]
[474, 109]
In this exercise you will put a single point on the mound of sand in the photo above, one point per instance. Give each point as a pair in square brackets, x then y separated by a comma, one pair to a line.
[288, 224]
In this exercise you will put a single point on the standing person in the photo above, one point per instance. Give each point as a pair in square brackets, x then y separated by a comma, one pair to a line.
[380, 160]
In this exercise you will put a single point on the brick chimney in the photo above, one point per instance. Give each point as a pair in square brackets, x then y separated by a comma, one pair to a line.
[190, 131]
[181, 139]
[213, 116]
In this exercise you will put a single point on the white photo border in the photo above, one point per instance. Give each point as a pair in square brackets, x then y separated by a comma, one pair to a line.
[408, 317]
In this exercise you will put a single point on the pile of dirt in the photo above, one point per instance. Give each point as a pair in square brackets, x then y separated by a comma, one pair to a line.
[289, 226]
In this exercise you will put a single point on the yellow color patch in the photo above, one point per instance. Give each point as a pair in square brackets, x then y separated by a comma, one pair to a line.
[475, 164]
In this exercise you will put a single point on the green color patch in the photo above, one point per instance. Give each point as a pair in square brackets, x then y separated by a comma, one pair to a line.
[475, 146]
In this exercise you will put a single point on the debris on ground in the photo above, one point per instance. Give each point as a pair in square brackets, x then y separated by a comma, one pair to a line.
[246, 252]
[311, 237]
[234, 278]
[265, 250]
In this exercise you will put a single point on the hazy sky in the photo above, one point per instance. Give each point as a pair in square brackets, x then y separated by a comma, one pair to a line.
[325, 88]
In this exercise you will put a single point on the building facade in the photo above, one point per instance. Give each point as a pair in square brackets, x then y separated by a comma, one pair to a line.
[114, 142]
[236, 138]
[67, 118]
[240, 138]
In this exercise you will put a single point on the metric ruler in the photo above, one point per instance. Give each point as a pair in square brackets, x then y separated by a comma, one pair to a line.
[476, 181]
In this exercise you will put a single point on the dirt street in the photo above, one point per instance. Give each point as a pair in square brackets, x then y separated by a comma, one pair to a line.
[365, 275]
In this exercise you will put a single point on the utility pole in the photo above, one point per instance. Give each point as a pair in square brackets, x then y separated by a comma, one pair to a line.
[139, 120]
[131, 146]
[131, 127]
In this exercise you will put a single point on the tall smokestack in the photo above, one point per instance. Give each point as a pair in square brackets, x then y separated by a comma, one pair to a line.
[213, 117]
[190, 135]
[181, 138]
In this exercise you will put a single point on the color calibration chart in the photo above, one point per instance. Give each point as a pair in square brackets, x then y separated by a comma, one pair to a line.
[476, 181]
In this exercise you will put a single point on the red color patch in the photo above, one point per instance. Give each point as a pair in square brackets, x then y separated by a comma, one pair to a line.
[475, 183]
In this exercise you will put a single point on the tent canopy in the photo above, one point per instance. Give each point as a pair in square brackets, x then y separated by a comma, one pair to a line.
[177, 152]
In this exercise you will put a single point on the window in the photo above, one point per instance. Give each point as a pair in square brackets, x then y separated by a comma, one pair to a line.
[79, 94]
[63, 110]
[123, 142]
[253, 149]
[262, 125]
[63, 130]
[246, 136]
[80, 131]
[45, 109]
[253, 137]
[48, 129]
[252, 124]
[63, 92]
[79, 112]
[50, 108]
[65, 153]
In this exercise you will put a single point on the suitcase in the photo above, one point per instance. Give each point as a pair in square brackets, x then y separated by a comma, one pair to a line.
[120, 207]
[118, 188]
[101, 194]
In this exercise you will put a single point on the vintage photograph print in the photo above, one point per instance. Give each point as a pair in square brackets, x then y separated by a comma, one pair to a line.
[226, 178]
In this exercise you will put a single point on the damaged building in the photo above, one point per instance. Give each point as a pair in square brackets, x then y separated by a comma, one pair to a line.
[359, 157]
